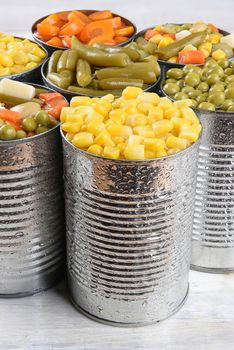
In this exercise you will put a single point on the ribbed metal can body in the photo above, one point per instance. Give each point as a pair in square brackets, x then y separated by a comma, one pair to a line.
[32, 232]
[129, 226]
[213, 228]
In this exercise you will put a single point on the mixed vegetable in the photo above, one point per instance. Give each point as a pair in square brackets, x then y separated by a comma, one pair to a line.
[80, 70]
[97, 27]
[186, 43]
[18, 55]
[136, 126]
[26, 111]
[210, 87]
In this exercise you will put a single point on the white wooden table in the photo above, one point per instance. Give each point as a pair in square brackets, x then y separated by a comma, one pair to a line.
[48, 321]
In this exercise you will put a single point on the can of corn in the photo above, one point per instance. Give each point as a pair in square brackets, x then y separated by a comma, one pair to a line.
[213, 228]
[31, 214]
[129, 227]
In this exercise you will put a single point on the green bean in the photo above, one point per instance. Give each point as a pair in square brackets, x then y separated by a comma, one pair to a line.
[93, 92]
[59, 80]
[119, 83]
[53, 61]
[13, 101]
[98, 57]
[72, 58]
[61, 65]
[83, 73]
[133, 54]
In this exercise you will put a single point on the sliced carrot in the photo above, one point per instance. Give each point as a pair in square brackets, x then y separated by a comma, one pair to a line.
[48, 96]
[97, 28]
[213, 28]
[71, 28]
[55, 106]
[15, 125]
[120, 39]
[66, 41]
[78, 14]
[47, 31]
[63, 16]
[116, 22]
[55, 41]
[150, 33]
[191, 57]
[10, 116]
[102, 39]
[52, 19]
[100, 15]
[127, 31]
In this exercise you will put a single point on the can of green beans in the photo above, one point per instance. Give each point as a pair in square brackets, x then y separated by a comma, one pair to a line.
[213, 228]
[31, 214]
[129, 227]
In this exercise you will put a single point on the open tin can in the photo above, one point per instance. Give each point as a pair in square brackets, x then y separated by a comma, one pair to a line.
[32, 237]
[129, 227]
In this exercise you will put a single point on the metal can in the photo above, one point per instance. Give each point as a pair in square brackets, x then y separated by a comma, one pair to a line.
[129, 227]
[32, 232]
[213, 229]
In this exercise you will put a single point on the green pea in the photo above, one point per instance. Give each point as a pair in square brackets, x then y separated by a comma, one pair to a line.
[29, 124]
[201, 98]
[228, 71]
[41, 129]
[217, 98]
[224, 63]
[212, 79]
[203, 86]
[180, 96]
[42, 117]
[229, 93]
[217, 87]
[52, 123]
[193, 94]
[207, 106]
[231, 108]
[229, 79]
[226, 104]
[21, 134]
[171, 89]
[216, 70]
[170, 81]
[193, 103]
[210, 62]
[192, 79]
[175, 73]
[188, 68]
[7, 132]
[180, 83]
[187, 89]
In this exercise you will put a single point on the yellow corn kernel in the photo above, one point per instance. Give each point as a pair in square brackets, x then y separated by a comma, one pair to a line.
[189, 133]
[5, 38]
[131, 92]
[119, 130]
[178, 123]
[197, 128]
[5, 71]
[149, 98]
[111, 152]
[80, 101]
[100, 108]
[95, 128]
[37, 51]
[143, 107]
[108, 97]
[16, 69]
[136, 120]
[165, 42]
[104, 139]
[173, 59]
[83, 127]
[154, 144]
[69, 136]
[31, 65]
[205, 52]
[121, 146]
[144, 130]
[214, 38]
[205, 46]
[172, 151]
[95, 149]
[71, 127]
[118, 139]
[94, 117]
[183, 103]
[83, 139]
[134, 152]
[218, 55]
[117, 103]
[158, 28]
[3, 46]
[162, 127]
[165, 103]
[172, 112]
[150, 154]
[33, 58]
[162, 153]
[71, 118]
[19, 57]
[135, 139]
[6, 60]
[117, 115]
[155, 114]
[176, 142]
[188, 114]
[131, 108]
[156, 39]
[190, 48]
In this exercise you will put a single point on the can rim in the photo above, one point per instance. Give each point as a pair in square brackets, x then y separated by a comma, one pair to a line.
[33, 28]
[131, 162]
[35, 137]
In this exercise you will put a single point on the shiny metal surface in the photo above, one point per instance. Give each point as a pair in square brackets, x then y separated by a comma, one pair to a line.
[129, 226]
[213, 229]
[31, 214]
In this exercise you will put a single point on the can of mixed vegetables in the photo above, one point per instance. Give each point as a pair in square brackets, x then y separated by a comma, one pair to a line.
[31, 189]
[130, 177]
[210, 90]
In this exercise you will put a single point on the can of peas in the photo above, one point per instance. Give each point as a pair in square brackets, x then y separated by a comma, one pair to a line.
[31, 195]
[129, 226]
